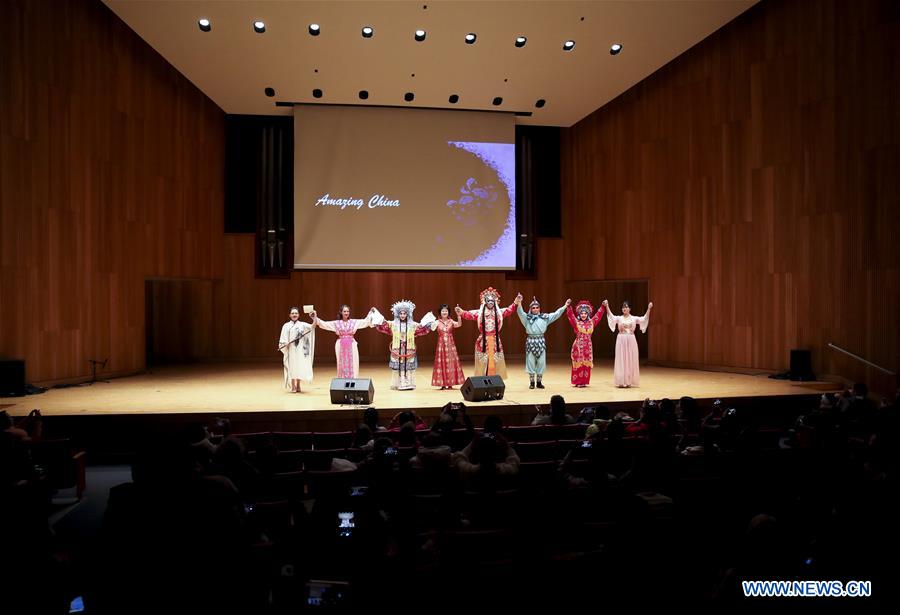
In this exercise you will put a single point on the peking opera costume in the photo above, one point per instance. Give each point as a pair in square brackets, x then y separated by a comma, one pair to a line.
[489, 359]
[583, 322]
[403, 331]
[535, 344]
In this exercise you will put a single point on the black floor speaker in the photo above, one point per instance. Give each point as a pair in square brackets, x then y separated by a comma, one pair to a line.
[483, 388]
[352, 391]
[801, 365]
[12, 378]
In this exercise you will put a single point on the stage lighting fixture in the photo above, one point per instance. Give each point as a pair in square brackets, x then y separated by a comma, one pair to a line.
[367, 32]
[615, 49]
[317, 93]
[568, 45]
[259, 26]
[520, 41]
[497, 101]
[409, 96]
[454, 98]
[204, 24]
[363, 94]
[540, 103]
[470, 38]
[314, 29]
[420, 35]
[270, 92]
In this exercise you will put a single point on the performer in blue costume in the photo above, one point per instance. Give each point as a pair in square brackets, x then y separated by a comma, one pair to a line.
[536, 324]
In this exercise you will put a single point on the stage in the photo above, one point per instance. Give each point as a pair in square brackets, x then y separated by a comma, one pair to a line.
[228, 387]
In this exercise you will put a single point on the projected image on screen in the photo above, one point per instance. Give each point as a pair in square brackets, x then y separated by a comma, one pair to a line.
[403, 189]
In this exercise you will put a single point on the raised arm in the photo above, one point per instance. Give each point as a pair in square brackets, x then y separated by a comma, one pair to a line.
[598, 316]
[644, 321]
[365, 322]
[521, 314]
[610, 318]
[570, 314]
[467, 314]
[328, 325]
[559, 312]
[385, 328]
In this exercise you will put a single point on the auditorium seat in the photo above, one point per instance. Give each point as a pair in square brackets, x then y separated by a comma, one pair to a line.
[566, 432]
[320, 459]
[64, 464]
[289, 461]
[526, 433]
[538, 451]
[292, 440]
[332, 439]
[537, 475]
[255, 440]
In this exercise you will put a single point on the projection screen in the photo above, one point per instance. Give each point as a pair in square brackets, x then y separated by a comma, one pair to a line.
[386, 188]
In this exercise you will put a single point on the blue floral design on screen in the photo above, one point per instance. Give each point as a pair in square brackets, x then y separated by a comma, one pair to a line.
[473, 199]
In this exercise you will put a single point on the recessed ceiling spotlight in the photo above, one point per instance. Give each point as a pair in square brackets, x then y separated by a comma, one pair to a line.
[540, 103]
[615, 49]
[317, 93]
[497, 101]
[368, 31]
[568, 45]
[363, 94]
[420, 35]
[314, 29]
[409, 96]
[270, 92]
[204, 24]
[259, 26]
[470, 38]
[520, 41]
[454, 98]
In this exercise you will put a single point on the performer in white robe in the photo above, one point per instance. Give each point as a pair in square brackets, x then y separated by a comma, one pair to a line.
[297, 345]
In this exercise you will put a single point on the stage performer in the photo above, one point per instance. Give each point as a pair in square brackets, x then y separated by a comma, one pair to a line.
[626, 371]
[297, 344]
[403, 331]
[536, 323]
[489, 358]
[345, 348]
[582, 348]
[447, 370]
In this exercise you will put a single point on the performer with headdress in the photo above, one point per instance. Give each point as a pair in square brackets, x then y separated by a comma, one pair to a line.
[345, 348]
[403, 331]
[536, 323]
[447, 370]
[626, 369]
[489, 358]
[297, 345]
[583, 323]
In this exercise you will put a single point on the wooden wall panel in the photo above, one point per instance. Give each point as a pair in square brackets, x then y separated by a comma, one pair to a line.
[754, 181]
[111, 171]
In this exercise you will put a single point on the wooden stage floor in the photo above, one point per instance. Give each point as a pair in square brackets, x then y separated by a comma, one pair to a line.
[256, 387]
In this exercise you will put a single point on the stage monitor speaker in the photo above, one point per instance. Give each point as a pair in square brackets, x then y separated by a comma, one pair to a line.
[801, 365]
[12, 378]
[352, 391]
[483, 388]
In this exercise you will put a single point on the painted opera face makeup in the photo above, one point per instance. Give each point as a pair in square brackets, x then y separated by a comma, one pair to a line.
[403, 315]
[489, 304]
[295, 314]
[345, 313]
[583, 314]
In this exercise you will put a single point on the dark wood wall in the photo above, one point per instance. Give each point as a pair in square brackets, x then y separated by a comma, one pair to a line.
[754, 182]
[111, 171]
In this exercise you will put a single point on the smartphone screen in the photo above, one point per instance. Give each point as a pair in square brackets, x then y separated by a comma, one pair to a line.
[346, 523]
